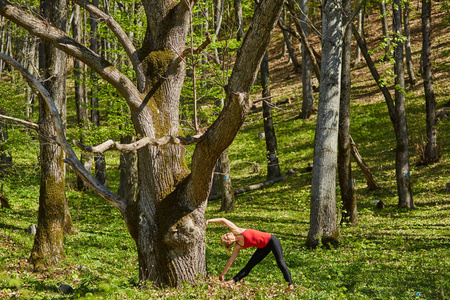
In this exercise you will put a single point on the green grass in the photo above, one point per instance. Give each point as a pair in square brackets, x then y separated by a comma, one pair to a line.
[392, 254]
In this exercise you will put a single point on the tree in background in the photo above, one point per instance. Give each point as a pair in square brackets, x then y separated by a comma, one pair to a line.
[54, 216]
[349, 210]
[323, 226]
[431, 154]
[402, 168]
[273, 168]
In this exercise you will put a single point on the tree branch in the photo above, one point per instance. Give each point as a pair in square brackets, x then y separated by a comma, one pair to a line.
[123, 38]
[200, 48]
[26, 123]
[62, 141]
[111, 145]
[65, 43]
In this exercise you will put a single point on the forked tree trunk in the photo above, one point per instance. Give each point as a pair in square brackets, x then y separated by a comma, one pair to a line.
[323, 226]
[431, 148]
[53, 217]
[349, 209]
[402, 169]
[167, 221]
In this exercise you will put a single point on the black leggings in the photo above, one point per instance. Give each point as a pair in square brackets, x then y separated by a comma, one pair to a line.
[274, 245]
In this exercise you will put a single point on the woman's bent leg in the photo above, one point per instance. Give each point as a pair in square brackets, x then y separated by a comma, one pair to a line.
[256, 258]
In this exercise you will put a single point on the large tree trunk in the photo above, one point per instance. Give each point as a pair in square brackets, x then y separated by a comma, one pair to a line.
[53, 219]
[349, 210]
[323, 228]
[431, 148]
[273, 168]
[167, 221]
[401, 131]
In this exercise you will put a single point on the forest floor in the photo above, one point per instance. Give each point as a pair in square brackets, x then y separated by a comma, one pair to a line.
[391, 254]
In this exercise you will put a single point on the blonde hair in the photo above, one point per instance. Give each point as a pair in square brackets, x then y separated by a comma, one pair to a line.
[226, 244]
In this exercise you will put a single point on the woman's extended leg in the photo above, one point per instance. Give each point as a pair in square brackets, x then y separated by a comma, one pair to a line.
[278, 252]
[256, 258]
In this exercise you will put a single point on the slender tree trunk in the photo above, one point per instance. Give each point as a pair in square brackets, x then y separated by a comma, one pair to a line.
[81, 101]
[307, 92]
[359, 28]
[239, 19]
[273, 168]
[385, 29]
[293, 57]
[349, 208]
[53, 219]
[227, 202]
[99, 158]
[323, 225]
[128, 173]
[431, 148]
[407, 34]
[401, 131]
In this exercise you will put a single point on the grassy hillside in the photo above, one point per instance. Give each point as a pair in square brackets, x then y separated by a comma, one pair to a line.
[392, 254]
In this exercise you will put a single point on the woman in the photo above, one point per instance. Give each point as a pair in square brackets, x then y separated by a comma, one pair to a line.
[245, 238]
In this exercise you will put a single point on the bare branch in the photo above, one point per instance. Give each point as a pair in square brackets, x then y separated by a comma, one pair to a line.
[65, 43]
[111, 145]
[123, 38]
[200, 48]
[26, 123]
[62, 141]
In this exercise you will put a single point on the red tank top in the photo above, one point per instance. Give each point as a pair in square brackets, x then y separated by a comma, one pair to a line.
[255, 238]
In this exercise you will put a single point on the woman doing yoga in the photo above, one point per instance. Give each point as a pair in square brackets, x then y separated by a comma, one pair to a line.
[245, 238]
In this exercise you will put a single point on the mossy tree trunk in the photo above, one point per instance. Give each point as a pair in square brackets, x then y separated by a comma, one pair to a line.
[53, 217]
[167, 220]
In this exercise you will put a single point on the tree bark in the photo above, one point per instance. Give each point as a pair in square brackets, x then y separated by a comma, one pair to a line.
[385, 30]
[307, 92]
[401, 131]
[431, 148]
[346, 183]
[407, 34]
[359, 28]
[227, 203]
[273, 168]
[128, 173]
[53, 217]
[293, 57]
[239, 19]
[167, 220]
[81, 101]
[323, 228]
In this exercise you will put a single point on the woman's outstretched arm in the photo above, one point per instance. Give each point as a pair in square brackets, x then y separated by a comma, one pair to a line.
[228, 223]
[230, 261]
